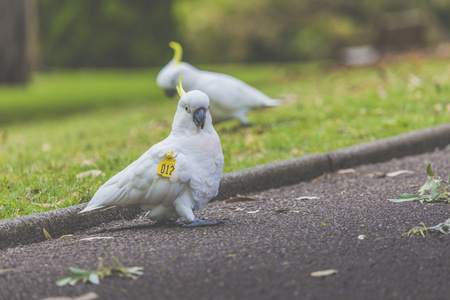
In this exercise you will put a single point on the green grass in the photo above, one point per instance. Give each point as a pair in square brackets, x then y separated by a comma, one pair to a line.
[66, 92]
[65, 123]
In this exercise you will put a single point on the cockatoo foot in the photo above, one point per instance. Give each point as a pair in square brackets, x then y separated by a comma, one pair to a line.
[199, 223]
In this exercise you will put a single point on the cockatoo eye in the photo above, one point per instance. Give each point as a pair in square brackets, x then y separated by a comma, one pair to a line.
[186, 108]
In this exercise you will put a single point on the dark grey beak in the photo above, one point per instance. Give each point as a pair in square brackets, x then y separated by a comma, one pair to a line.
[170, 92]
[199, 117]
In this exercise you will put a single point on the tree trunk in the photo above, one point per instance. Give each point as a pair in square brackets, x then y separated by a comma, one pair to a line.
[17, 41]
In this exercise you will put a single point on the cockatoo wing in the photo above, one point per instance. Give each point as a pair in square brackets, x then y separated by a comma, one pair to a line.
[233, 92]
[139, 184]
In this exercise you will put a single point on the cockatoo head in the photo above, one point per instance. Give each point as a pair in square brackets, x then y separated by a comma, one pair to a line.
[192, 112]
[168, 76]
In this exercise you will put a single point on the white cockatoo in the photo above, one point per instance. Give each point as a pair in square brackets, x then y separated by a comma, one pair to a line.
[230, 97]
[176, 176]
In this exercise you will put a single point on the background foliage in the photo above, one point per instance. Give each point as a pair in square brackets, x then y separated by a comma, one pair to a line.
[105, 33]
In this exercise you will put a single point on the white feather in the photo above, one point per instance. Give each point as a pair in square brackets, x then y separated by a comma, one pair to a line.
[230, 97]
[198, 169]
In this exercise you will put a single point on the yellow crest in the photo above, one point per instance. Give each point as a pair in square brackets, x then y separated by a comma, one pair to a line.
[180, 89]
[177, 52]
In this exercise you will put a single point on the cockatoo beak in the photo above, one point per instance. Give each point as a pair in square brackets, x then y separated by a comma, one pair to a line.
[170, 92]
[199, 117]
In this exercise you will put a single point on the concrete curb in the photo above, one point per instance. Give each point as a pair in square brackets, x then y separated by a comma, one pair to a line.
[307, 167]
[29, 229]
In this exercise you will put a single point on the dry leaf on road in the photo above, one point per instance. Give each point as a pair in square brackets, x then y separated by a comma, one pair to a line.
[47, 235]
[399, 172]
[88, 296]
[97, 238]
[306, 198]
[324, 273]
[238, 199]
[346, 171]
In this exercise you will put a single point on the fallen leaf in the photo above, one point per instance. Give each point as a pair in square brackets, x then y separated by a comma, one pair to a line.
[55, 204]
[319, 177]
[438, 107]
[399, 172]
[239, 209]
[4, 270]
[105, 268]
[415, 81]
[346, 171]
[46, 147]
[47, 235]
[282, 210]
[97, 238]
[93, 173]
[66, 235]
[239, 199]
[324, 273]
[42, 204]
[294, 151]
[88, 296]
[87, 162]
[306, 198]
[382, 93]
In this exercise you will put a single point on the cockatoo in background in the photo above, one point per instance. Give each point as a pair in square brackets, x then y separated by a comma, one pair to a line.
[176, 176]
[230, 97]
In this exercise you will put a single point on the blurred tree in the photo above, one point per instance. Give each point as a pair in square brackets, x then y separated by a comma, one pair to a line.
[274, 30]
[105, 33]
[121, 33]
[17, 42]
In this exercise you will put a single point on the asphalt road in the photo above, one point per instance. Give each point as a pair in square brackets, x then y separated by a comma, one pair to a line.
[267, 248]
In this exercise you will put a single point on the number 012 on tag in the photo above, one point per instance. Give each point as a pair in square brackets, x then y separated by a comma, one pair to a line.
[167, 166]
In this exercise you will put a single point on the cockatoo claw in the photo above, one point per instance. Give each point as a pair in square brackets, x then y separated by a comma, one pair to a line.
[200, 223]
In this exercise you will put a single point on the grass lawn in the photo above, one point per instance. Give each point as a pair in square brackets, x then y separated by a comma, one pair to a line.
[69, 122]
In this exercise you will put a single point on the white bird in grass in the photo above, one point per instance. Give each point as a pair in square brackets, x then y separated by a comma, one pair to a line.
[230, 97]
[176, 176]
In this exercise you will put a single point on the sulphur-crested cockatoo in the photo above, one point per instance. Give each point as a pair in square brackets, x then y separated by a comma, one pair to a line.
[230, 97]
[176, 176]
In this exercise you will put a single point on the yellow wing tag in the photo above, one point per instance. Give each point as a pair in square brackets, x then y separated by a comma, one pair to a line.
[167, 166]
